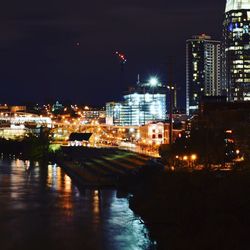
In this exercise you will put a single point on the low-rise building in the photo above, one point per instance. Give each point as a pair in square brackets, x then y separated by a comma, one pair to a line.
[152, 134]
[79, 139]
[157, 133]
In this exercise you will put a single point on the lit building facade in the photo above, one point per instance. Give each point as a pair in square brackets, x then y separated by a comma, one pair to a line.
[203, 70]
[156, 133]
[113, 113]
[143, 104]
[236, 68]
[152, 134]
[93, 114]
[12, 109]
[19, 125]
[14, 132]
[57, 107]
[25, 119]
[139, 109]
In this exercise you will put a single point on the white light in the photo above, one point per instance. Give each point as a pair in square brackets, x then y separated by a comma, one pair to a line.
[153, 109]
[148, 97]
[153, 81]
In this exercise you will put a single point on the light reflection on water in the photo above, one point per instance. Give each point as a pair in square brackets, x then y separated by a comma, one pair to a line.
[40, 204]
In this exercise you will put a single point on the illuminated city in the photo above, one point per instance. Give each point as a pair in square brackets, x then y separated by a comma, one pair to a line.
[125, 125]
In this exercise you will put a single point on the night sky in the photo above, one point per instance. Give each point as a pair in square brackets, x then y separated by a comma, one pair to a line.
[64, 49]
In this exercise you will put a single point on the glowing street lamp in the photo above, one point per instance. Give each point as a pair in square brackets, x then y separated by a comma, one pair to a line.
[193, 157]
[185, 158]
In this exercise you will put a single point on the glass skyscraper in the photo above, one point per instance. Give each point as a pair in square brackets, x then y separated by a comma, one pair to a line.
[203, 70]
[236, 67]
[143, 104]
[140, 108]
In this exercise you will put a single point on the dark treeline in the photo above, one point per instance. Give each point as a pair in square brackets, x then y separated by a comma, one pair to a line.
[208, 138]
[31, 147]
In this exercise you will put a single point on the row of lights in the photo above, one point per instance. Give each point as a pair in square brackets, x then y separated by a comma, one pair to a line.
[192, 157]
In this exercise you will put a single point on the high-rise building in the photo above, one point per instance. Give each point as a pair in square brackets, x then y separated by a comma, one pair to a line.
[203, 70]
[236, 50]
[142, 104]
[141, 108]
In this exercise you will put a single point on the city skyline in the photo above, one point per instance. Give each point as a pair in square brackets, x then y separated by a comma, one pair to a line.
[66, 51]
[125, 124]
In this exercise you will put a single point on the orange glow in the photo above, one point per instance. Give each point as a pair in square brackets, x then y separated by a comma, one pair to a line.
[185, 157]
[96, 202]
[194, 157]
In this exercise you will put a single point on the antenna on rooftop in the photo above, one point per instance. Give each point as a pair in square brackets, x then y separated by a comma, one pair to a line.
[138, 79]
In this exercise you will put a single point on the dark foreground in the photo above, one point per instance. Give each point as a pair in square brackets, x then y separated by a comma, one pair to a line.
[196, 211]
[40, 208]
[203, 210]
[99, 167]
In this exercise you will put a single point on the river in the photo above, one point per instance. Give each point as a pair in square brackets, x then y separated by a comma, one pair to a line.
[40, 208]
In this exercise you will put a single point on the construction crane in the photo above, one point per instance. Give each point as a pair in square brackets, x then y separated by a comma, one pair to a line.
[122, 60]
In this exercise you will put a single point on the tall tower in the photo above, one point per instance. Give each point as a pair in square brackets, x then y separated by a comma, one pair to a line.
[203, 70]
[236, 50]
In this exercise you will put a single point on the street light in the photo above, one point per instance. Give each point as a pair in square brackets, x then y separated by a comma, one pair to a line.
[193, 157]
[185, 158]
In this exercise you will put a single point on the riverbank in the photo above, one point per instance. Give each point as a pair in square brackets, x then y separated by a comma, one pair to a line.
[29, 148]
[183, 210]
[99, 167]
[198, 210]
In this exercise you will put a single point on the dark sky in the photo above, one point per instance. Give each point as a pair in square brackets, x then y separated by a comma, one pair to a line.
[40, 58]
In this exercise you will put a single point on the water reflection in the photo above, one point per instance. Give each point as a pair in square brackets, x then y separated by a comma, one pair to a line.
[96, 202]
[58, 180]
[41, 205]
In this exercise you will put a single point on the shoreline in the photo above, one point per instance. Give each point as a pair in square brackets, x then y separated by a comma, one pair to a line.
[200, 210]
[100, 168]
[182, 210]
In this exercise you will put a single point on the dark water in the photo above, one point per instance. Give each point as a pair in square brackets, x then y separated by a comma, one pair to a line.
[40, 208]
